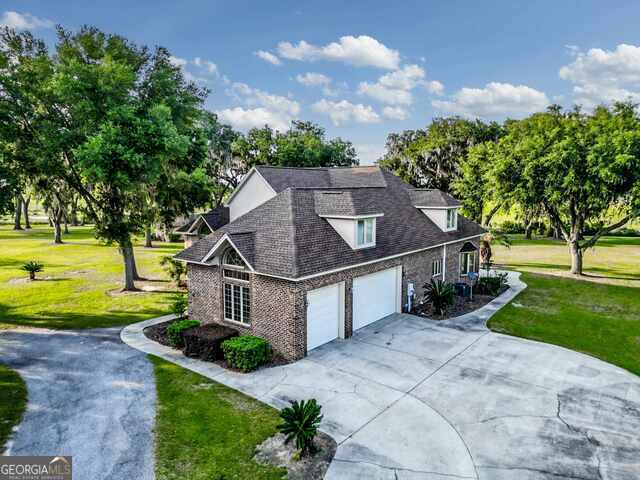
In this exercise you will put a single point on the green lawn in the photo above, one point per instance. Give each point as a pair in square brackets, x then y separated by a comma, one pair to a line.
[13, 400]
[80, 285]
[206, 431]
[599, 315]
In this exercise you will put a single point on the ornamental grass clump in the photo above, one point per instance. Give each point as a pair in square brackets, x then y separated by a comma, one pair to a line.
[300, 423]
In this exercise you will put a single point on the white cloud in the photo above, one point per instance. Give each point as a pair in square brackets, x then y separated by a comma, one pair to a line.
[495, 99]
[311, 79]
[24, 21]
[359, 51]
[177, 61]
[208, 65]
[263, 108]
[345, 112]
[602, 76]
[434, 86]
[368, 153]
[268, 57]
[246, 119]
[395, 113]
[395, 88]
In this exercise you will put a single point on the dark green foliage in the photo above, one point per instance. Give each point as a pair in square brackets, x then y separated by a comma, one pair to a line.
[300, 422]
[491, 285]
[175, 269]
[179, 304]
[205, 342]
[176, 329]
[245, 353]
[511, 226]
[32, 267]
[439, 295]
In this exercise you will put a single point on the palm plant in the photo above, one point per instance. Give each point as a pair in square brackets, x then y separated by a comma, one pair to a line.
[439, 295]
[32, 267]
[300, 423]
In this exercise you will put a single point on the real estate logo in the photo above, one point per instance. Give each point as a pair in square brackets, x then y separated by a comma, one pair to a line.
[35, 468]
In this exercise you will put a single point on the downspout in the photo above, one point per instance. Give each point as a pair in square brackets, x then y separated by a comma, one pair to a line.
[444, 262]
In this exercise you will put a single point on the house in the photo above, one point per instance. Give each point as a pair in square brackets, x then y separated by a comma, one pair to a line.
[310, 255]
[202, 224]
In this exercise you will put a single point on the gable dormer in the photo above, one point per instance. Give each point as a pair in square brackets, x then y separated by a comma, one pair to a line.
[252, 191]
[350, 215]
[440, 207]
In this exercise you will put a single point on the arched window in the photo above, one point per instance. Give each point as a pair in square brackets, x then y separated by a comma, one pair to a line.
[233, 259]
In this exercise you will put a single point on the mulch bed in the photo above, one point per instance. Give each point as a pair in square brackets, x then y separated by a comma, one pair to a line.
[274, 451]
[460, 307]
[203, 342]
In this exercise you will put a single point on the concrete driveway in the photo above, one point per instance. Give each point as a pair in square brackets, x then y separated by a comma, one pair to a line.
[407, 398]
[90, 396]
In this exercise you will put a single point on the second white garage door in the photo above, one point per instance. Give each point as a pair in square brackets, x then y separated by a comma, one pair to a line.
[325, 315]
[375, 296]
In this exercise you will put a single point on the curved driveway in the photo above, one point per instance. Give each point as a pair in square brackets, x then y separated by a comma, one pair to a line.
[90, 396]
[407, 398]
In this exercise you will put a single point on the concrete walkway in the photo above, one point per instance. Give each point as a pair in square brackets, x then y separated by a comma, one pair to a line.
[89, 396]
[408, 398]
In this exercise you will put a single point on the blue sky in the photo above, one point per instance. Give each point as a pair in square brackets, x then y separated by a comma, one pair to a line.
[365, 69]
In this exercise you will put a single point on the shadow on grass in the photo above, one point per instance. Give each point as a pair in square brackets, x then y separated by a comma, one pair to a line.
[600, 272]
[75, 320]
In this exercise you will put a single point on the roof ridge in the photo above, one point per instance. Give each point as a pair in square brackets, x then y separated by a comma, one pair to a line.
[342, 167]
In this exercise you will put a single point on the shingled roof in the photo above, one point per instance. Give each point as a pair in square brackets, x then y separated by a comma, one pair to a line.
[431, 197]
[281, 178]
[215, 219]
[287, 237]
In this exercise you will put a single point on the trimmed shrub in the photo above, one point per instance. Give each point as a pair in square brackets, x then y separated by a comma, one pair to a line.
[176, 329]
[439, 295]
[245, 353]
[300, 422]
[205, 342]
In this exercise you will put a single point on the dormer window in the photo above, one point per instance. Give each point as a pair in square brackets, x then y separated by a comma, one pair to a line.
[365, 232]
[452, 219]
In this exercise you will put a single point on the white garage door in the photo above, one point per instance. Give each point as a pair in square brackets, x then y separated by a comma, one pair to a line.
[375, 296]
[325, 309]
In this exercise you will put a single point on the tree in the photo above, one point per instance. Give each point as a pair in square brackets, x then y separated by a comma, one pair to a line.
[431, 158]
[575, 167]
[104, 117]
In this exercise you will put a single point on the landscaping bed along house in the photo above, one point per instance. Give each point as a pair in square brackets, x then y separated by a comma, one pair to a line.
[298, 447]
[448, 300]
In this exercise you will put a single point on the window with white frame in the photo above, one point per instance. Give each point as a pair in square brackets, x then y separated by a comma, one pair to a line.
[366, 232]
[467, 263]
[452, 219]
[436, 267]
[237, 303]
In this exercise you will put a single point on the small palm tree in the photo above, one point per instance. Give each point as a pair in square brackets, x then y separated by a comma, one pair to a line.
[439, 295]
[32, 267]
[174, 269]
[300, 423]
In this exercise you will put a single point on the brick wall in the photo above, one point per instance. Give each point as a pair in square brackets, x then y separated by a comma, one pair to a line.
[279, 309]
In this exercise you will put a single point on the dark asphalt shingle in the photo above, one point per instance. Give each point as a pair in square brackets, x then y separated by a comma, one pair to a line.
[286, 237]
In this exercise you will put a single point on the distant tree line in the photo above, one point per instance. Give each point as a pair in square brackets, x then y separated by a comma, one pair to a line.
[112, 131]
[578, 171]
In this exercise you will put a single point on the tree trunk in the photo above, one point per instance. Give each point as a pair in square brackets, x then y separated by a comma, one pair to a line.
[492, 212]
[57, 230]
[147, 238]
[17, 219]
[66, 224]
[136, 276]
[74, 210]
[576, 257]
[527, 231]
[129, 267]
[556, 233]
[25, 211]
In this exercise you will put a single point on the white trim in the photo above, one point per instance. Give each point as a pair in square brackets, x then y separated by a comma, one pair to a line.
[444, 262]
[353, 217]
[341, 310]
[242, 182]
[215, 247]
[438, 208]
[200, 217]
[437, 261]
[473, 264]
[224, 310]
[335, 270]
[391, 257]
[366, 244]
